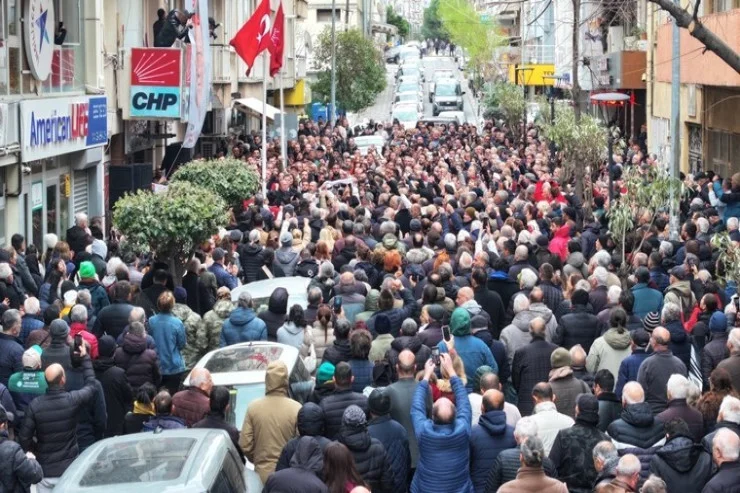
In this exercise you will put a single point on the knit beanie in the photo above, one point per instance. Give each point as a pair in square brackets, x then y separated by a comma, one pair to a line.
[382, 324]
[588, 408]
[354, 417]
[325, 372]
[106, 346]
[59, 329]
[718, 322]
[181, 295]
[651, 321]
[460, 322]
[560, 358]
[482, 370]
[87, 270]
[436, 312]
[379, 402]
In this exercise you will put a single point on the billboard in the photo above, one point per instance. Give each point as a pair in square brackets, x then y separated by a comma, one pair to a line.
[156, 75]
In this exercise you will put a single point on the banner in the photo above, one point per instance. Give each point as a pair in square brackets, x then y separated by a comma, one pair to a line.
[200, 71]
[156, 75]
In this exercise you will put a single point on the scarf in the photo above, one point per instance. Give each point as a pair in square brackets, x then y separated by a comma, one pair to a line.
[140, 408]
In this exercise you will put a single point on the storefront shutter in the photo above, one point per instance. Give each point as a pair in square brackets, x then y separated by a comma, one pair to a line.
[80, 192]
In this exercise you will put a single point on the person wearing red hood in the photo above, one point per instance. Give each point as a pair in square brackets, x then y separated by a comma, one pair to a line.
[78, 326]
[559, 242]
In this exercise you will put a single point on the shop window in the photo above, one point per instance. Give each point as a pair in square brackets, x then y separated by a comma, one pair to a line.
[69, 13]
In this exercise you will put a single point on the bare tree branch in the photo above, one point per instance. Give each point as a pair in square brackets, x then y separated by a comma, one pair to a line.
[713, 43]
[695, 16]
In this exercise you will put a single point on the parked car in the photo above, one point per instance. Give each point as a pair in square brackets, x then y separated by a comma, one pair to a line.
[261, 290]
[459, 116]
[448, 96]
[440, 75]
[408, 97]
[391, 54]
[410, 69]
[407, 114]
[409, 87]
[170, 461]
[438, 121]
[409, 79]
[365, 142]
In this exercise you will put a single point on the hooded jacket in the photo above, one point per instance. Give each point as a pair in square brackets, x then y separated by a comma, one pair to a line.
[682, 464]
[286, 259]
[410, 309]
[20, 471]
[680, 293]
[487, 439]
[572, 454]
[680, 344]
[117, 394]
[516, 335]
[608, 351]
[251, 258]
[193, 328]
[576, 263]
[270, 422]
[638, 432]
[213, 322]
[580, 326]
[243, 325]
[413, 344]
[310, 424]
[298, 337]
[395, 440]
[140, 364]
[274, 316]
[334, 405]
[169, 335]
[371, 306]
[472, 351]
[302, 476]
[370, 458]
[567, 388]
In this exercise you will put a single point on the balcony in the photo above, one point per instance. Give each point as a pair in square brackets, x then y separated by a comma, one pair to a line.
[222, 58]
[538, 54]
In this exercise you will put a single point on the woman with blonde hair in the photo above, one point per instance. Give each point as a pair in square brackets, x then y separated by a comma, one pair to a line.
[328, 236]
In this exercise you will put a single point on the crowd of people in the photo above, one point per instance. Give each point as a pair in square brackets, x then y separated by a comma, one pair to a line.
[470, 326]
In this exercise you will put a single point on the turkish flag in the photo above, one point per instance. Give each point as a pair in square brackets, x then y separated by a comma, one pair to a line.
[278, 42]
[254, 36]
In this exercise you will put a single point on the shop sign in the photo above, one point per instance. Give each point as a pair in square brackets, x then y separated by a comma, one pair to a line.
[39, 36]
[54, 126]
[67, 186]
[37, 195]
[155, 82]
[533, 74]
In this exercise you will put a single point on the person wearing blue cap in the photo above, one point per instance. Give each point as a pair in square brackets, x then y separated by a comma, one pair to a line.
[716, 349]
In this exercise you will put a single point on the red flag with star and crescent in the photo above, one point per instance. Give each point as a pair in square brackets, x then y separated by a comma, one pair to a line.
[278, 42]
[255, 35]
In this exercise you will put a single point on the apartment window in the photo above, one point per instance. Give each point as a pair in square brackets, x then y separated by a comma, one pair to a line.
[724, 150]
[69, 12]
[722, 5]
[324, 15]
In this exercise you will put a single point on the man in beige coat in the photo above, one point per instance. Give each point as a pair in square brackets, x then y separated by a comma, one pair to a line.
[531, 477]
[270, 422]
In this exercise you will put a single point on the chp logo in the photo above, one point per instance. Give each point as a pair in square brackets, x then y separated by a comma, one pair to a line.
[39, 36]
[156, 75]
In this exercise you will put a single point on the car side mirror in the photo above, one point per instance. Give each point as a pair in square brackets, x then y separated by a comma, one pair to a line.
[462, 93]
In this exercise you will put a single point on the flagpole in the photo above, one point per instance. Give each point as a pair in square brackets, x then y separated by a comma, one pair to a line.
[265, 63]
[283, 137]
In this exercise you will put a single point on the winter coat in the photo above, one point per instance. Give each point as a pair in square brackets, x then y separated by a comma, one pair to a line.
[18, 471]
[647, 300]
[213, 322]
[493, 305]
[310, 423]
[598, 298]
[217, 421]
[678, 408]
[112, 319]
[500, 283]
[300, 338]
[270, 422]
[323, 338]
[653, 375]
[302, 476]
[531, 366]
[517, 335]
[410, 309]
[506, 466]
[474, 353]
[380, 347]
[336, 353]
[725, 481]
[533, 480]
[707, 441]
[78, 328]
[566, 388]
[117, 394]
[580, 326]
[97, 293]
[395, 440]
[571, 455]
[682, 464]
[680, 344]
[286, 259]
[169, 335]
[413, 344]
[223, 277]
[712, 354]
[194, 287]
[12, 293]
[193, 327]
[610, 408]
[29, 323]
[325, 284]
[638, 432]
[576, 263]
[334, 405]
[11, 353]
[628, 369]
[140, 364]
[52, 419]
[549, 422]
[680, 293]
[487, 439]
[191, 405]
[243, 325]
[362, 373]
[251, 258]
[165, 422]
[732, 365]
[608, 351]
[273, 321]
[444, 450]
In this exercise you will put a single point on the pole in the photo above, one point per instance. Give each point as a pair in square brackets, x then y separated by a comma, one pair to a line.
[265, 63]
[333, 60]
[632, 114]
[675, 124]
[283, 137]
[610, 163]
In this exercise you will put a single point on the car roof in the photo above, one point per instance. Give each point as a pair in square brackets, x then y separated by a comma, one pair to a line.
[297, 287]
[287, 356]
[198, 473]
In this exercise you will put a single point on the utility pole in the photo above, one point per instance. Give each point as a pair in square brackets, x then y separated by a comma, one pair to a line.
[333, 61]
[675, 123]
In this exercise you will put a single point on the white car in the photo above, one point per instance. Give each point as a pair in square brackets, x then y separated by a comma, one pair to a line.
[261, 290]
[458, 115]
[438, 76]
[406, 114]
[409, 87]
[365, 142]
[408, 97]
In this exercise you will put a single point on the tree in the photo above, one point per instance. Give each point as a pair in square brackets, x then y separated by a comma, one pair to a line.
[360, 70]
[170, 224]
[230, 179]
[729, 258]
[691, 21]
[506, 100]
[395, 19]
[466, 29]
[431, 27]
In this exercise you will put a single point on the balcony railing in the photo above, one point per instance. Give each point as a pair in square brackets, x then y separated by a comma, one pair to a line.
[538, 54]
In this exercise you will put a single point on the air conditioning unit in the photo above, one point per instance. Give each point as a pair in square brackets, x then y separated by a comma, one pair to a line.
[615, 40]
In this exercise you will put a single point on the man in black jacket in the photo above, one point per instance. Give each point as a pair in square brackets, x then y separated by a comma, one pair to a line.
[339, 351]
[609, 405]
[531, 365]
[52, 419]
[334, 404]
[681, 463]
[392, 435]
[116, 389]
[216, 418]
[370, 456]
[490, 301]
[114, 318]
[20, 469]
[580, 326]
[310, 423]
[251, 257]
[725, 448]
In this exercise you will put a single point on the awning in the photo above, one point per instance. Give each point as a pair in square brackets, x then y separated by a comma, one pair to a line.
[253, 104]
[379, 27]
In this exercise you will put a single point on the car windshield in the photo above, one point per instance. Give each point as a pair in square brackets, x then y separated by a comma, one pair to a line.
[408, 87]
[443, 76]
[407, 96]
[243, 358]
[155, 458]
[445, 90]
[241, 396]
[405, 114]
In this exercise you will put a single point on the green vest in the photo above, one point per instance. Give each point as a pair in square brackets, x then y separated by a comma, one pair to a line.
[29, 382]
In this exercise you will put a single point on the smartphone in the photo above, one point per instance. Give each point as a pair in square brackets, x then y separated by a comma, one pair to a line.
[78, 343]
[435, 355]
[337, 304]
[446, 333]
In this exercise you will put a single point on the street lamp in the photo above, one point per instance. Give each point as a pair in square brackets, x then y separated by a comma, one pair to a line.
[610, 101]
